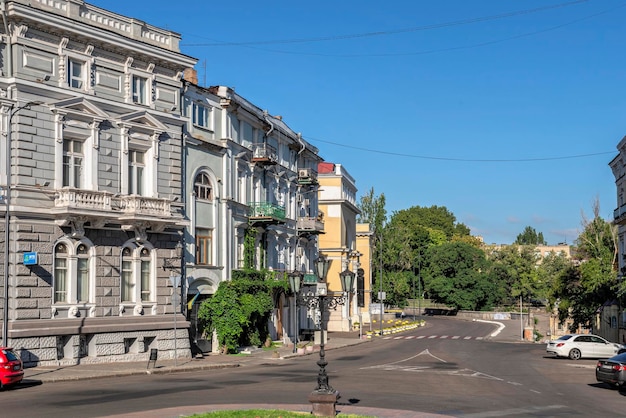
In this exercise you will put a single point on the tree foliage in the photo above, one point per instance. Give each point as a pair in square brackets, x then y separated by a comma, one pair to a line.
[239, 310]
[457, 274]
[530, 237]
[592, 280]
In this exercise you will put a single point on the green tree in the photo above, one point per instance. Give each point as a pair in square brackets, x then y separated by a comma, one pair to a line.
[434, 218]
[457, 274]
[515, 267]
[530, 237]
[373, 211]
[592, 281]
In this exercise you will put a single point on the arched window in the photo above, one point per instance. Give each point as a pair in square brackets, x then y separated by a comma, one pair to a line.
[60, 273]
[137, 283]
[202, 187]
[73, 273]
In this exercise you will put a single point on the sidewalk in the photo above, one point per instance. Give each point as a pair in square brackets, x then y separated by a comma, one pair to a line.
[210, 361]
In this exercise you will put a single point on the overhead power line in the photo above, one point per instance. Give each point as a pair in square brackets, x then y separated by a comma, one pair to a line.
[476, 160]
[391, 32]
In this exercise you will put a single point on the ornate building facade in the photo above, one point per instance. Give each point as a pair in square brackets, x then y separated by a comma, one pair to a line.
[92, 196]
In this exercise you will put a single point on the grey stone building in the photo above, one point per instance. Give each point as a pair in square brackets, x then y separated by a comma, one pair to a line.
[92, 205]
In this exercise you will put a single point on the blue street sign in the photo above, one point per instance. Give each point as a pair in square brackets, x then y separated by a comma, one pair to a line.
[30, 259]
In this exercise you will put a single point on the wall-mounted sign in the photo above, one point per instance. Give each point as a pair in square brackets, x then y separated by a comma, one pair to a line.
[30, 259]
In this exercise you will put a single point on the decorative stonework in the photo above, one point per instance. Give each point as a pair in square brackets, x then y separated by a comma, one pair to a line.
[73, 312]
[138, 310]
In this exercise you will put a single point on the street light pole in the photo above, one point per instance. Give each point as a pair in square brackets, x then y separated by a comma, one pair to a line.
[7, 219]
[295, 282]
[175, 281]
[324, 397]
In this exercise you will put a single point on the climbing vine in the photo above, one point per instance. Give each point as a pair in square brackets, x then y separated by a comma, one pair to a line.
[249, 248]
[240, 310]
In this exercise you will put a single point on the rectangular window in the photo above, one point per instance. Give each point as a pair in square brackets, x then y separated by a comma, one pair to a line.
[145, 280]
[83, 280]
[140, 90]
[76, 73]
[201, 116]
[204, 239]
[60, 279]
[128, 286]
[136, 169]
[72, 163]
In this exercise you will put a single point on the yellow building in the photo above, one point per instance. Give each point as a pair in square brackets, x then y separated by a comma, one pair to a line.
[345, 243]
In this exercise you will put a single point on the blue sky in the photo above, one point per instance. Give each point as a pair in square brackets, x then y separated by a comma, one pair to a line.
[505, 112]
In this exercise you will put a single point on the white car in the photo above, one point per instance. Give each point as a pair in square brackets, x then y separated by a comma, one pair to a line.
[577, 346]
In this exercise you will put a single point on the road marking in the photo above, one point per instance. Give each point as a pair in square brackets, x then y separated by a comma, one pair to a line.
[533, 410]
[432, 337]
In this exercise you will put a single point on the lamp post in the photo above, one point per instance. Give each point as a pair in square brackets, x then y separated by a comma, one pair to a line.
[324, 397]
[7, 218]
[295, 282]
[169, 264]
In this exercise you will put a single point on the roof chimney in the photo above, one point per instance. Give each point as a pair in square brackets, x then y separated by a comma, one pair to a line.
[190, 75]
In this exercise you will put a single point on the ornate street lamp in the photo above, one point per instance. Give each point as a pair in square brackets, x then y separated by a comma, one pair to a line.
[295, 283]
[324, 398]
[175, 264]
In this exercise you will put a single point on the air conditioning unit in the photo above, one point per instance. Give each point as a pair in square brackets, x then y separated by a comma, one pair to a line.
[304, 172]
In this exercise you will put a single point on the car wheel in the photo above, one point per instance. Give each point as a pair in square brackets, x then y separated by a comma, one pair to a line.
[574, 354]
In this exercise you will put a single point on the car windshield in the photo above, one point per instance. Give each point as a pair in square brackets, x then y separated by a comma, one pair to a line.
[10, 355]
[565, 337]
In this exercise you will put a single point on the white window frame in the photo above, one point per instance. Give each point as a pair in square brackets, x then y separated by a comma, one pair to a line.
[202, 115]
[140, 89]
[203, 187]
[133, 259]
[73, 173]
[76, 250]
[80, 79]
[136, 185]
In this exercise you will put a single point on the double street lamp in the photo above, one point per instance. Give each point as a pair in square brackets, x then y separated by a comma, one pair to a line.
[324, 397]
[171, 265]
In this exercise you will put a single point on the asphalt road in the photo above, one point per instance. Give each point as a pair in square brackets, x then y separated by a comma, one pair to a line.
[448, 367]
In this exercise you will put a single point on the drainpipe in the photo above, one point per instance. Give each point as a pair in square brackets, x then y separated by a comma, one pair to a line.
[267, 119]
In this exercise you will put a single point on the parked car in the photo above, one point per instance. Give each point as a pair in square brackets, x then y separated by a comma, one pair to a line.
[612, 371]
[577, 346]
[11, 367]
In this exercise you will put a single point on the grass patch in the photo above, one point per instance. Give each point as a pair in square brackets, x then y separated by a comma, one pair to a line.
[263, 413]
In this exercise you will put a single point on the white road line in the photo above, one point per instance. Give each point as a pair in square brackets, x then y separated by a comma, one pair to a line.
[533, 410]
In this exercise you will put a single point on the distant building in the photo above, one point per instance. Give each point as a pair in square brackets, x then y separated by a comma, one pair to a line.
[344, 242]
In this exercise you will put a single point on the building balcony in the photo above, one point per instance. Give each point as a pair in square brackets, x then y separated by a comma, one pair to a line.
[307, 176]
[619, 215]
[99, 207]
[263, 213]
[309, 225]
[264, 154]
